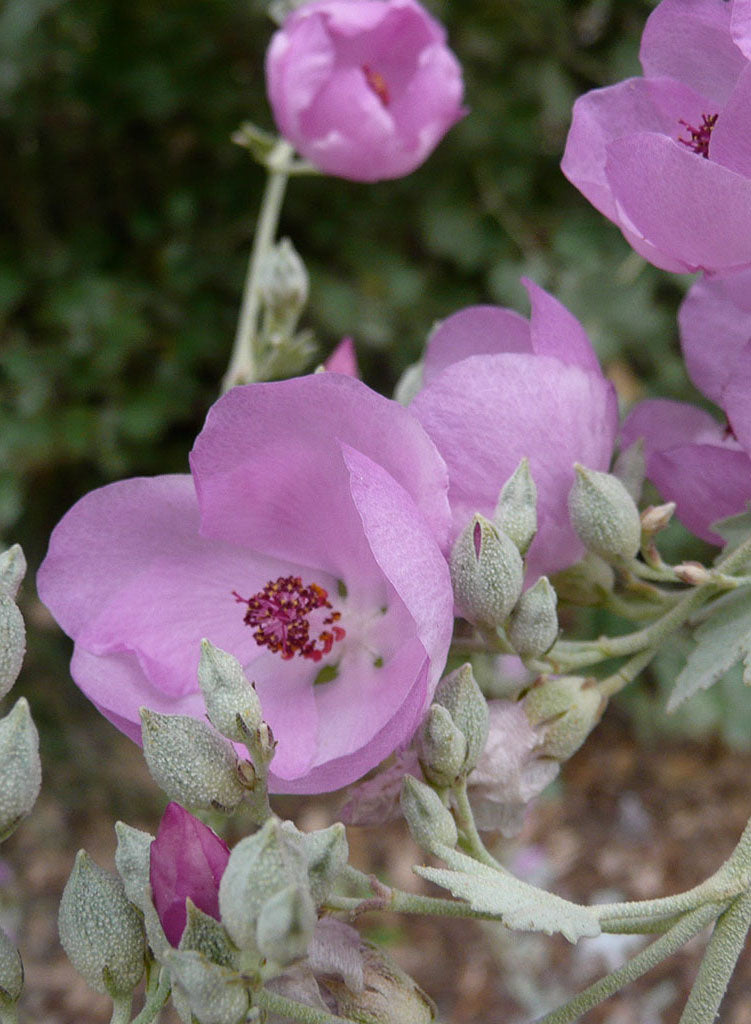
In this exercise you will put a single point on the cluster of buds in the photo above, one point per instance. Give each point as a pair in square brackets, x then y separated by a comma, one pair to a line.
[20, 767]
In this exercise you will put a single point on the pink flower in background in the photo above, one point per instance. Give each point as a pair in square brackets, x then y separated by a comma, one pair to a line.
[701, 464]
[343, 359]
[364, 89]
[498, 387]
[187, 862]
[307, 542]
[667, 157]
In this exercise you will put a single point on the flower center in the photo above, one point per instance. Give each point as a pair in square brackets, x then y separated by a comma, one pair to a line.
[377, 83]
[698, 138]
[280, 616]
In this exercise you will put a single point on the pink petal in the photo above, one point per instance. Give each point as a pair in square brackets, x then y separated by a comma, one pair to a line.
[714, 329]
[740, 26]
[269, 475]
[343, 359]
[556, 332]
[690, 40]
[730, 143]
[690, 208]
[289, 706]
[477, 330]
[297, 66]
[431, 101]
[736, 399]
[662, 424]
[487, 412]
[603, 115]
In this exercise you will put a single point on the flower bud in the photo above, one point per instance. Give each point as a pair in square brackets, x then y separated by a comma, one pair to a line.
[259, 866]
[656, 517]
[215, 994]
[232, 704]
[459, 693]
[11, 972]
[326, 852]
[486, 572]
[693, 573]
[604, 514]
[132, 860]
[430, 822]
[285, 925]
[284, 283]
[100, 930]
[187, 860]
[443, 748]
[587, 584]
[516, 511]
[12, 643]
[12, 570]
[533, 627]
[388, 995]
[194, 765]
[21, 774]
[564, 709]
[205, 935]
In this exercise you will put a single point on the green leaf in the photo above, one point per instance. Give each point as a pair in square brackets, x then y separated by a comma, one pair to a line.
[517, 904]
[721, 642]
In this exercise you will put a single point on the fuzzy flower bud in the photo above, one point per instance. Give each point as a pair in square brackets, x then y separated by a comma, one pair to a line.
[232, 704]
[588, 583]
[459, 693]
[534, 622]
[12, 643]
[429, 821]
[259, 866]
[443, 748]
[194, 765]
[21, 775]
[564, 710]
[516, 511]
[656, 517]
[284, 284]
[11, 972]
[388, 995]
[326, 852]
[364, 90]
[101, 930]
[285, 925]
[214, 994]
[12, 570]
[604, 514]
[486, 572]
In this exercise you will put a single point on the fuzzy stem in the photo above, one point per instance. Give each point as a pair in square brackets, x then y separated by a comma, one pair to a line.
[121, 1010]
[472, 843]
[720, 958]
[155, 1000]
[242, 367]
[643, 962]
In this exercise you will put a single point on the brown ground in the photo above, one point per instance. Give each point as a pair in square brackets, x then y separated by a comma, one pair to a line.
[628, 822]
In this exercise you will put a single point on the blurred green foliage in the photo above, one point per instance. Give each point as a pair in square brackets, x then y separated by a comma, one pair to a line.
[127, 215]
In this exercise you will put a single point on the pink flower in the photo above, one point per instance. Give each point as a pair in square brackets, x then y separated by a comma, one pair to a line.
[498, 387]
[704, 466]
[187, 862]
[364, 89]
[307, 543]
[667, 156]
[343, 359]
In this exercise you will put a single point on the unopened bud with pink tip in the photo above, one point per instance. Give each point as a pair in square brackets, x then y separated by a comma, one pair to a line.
[487, 573]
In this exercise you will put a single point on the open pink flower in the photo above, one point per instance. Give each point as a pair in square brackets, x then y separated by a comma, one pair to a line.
[307, 543]
[364, 89]
[498, 387]
[704, 466]
[667, 156]
[187, 861]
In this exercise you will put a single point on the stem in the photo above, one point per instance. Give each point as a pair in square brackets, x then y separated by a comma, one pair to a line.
[154, 1000]
[626, 673]
[643, 962]
[242, 366]
[720, 958]
[465, 820]
[121, 1010]
[275, 1003]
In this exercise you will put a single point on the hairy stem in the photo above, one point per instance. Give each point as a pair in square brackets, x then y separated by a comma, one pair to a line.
[243, 362]
[155, 1000]
[643, 962]
[121, 1010]
[471, 841]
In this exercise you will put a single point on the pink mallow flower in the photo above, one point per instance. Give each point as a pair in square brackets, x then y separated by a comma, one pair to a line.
[667, 156]
[307, 542]
[701, 464]
[364, 89]
[498, 387]
[187, 861]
